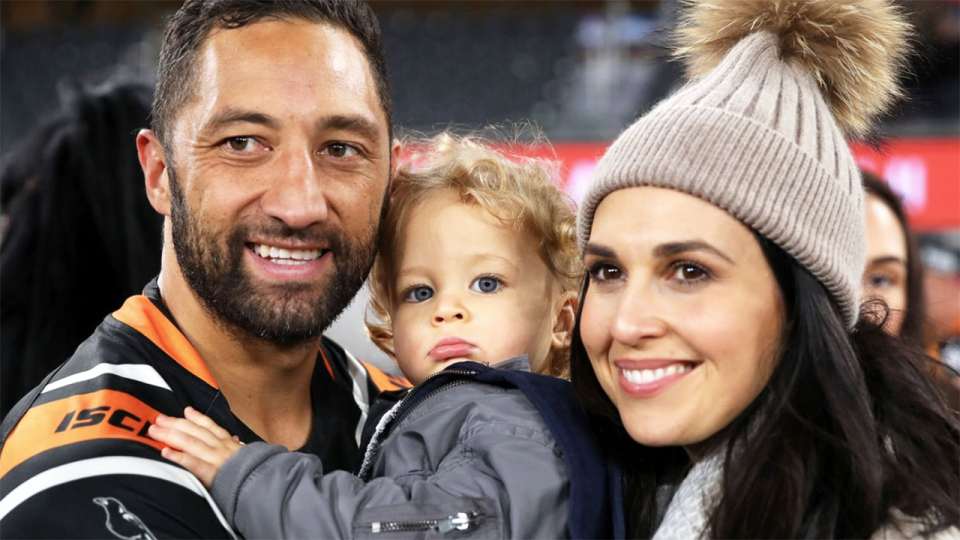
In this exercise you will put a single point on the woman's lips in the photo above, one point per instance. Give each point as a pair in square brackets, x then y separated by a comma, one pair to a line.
[451, 347]
[647, 378]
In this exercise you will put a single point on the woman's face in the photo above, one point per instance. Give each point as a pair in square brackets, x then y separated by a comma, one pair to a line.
[683, 315]
[886, 273]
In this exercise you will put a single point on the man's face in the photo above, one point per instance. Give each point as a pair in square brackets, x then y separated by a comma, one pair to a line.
[278, 170]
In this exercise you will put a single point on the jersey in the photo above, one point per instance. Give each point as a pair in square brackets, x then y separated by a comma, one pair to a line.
[76, 461]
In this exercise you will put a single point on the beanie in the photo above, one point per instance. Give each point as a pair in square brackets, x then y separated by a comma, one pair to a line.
[776, 86]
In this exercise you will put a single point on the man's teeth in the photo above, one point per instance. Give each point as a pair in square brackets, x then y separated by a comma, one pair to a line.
[286, 256]
[643, 376]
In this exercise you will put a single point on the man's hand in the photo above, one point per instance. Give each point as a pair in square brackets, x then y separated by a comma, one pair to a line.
[195, 442]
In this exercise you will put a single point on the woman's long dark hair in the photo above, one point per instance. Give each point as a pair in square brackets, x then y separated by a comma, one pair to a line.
[915, 313]
[81, 235]
[849, 427]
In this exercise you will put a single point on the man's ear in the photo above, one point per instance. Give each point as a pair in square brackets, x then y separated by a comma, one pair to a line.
[564, 319]
[395, 151]
[153, 161]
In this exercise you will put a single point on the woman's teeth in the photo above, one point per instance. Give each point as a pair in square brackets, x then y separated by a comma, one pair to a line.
[286, 256]
[643, 376]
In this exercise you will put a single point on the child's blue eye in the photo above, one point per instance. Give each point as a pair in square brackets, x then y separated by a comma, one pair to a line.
[420, 293]
[486, 285]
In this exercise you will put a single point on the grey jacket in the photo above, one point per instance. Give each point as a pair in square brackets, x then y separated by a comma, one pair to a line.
[465, 457]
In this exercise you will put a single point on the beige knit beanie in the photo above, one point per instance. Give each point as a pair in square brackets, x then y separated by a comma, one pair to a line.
[760, 129]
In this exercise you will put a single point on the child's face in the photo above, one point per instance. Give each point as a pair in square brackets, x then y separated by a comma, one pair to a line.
[468, 288]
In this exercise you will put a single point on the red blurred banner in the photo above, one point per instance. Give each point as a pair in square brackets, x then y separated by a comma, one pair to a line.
[925, 172]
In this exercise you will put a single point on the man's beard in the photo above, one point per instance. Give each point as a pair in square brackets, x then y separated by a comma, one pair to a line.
[287, 314]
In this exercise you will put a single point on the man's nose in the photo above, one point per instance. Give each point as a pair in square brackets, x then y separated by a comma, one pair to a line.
[296, 194]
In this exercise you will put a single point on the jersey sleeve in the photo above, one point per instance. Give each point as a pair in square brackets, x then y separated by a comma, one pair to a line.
[78, 462]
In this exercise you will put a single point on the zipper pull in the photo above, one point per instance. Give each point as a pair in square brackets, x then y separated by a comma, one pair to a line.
[460, 521]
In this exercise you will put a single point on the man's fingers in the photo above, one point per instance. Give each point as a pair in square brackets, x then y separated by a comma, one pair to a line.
[203, 420]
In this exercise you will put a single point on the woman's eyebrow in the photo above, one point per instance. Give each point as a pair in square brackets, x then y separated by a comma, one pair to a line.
[676, 248]
[599, 250]
[888, 259]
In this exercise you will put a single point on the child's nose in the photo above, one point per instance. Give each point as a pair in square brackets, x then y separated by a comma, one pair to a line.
[449, 313]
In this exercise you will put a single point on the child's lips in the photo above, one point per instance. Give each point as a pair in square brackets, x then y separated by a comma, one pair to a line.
[451, 347]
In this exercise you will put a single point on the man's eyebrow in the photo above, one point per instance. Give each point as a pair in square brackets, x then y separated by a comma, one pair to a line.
[675, 248]
[357, 124]
[232, 115]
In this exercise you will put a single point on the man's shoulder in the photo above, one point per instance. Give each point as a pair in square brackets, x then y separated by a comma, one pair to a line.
[76, 449]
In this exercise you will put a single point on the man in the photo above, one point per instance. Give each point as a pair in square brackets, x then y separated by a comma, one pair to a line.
[270, 159]
[940, 254]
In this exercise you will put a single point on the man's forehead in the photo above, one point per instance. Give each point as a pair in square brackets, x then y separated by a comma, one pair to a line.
[283, 64]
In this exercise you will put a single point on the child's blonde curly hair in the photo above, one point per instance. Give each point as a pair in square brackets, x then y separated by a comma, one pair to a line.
[518, 191]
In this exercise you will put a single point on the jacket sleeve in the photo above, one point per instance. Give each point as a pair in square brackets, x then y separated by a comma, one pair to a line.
[508, 479]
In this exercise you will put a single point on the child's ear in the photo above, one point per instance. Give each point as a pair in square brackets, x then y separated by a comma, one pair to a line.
[563, 321]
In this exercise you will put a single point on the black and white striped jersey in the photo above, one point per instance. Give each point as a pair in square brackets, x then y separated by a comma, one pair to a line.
[77, 463]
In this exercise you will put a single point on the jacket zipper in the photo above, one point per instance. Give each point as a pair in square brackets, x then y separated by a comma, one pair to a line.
[396, 421]
[461, 521]
[402, 406]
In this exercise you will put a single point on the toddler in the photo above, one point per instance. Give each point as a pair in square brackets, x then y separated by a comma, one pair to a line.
[474, 286]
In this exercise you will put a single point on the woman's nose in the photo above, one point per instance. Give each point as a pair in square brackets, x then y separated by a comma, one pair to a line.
[639, 316]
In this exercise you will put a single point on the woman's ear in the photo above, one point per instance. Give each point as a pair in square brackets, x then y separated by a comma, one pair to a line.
[564, 318]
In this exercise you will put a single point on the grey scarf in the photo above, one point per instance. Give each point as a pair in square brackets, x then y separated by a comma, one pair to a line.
[690, 507]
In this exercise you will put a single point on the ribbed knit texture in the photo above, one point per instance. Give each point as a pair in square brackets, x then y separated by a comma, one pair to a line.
[756, 138]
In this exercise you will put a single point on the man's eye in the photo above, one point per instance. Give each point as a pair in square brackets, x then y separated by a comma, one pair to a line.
[418, 294]
[242, 144]
[340, 150]
[486, 285]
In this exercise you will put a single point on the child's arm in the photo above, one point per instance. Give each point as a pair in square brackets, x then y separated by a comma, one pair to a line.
[195, 442]
[500, 477]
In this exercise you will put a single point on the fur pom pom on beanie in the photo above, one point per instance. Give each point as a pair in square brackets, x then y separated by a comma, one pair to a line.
[776, 87]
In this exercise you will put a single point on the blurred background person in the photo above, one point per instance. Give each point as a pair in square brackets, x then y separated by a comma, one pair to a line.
[79, 234]
[940, 254]
[893, 272]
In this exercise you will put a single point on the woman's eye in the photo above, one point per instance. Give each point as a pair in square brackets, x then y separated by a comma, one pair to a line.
[880, 282]
[689, 272]
[242, 144]
[605, 272]
[418, 294]
[340, 150]
[486, 285]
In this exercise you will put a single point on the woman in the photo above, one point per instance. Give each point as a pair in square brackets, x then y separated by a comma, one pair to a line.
[720, 343]
[893, 271]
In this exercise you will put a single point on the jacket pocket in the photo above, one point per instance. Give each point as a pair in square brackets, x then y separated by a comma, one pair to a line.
[456, 518]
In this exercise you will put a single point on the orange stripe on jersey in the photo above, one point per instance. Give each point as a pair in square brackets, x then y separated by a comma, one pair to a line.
[139, 313]
[383, 381]
[327, 363]
[106, 414]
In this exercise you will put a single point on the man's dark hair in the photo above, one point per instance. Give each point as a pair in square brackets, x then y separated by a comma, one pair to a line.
[197, 19]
